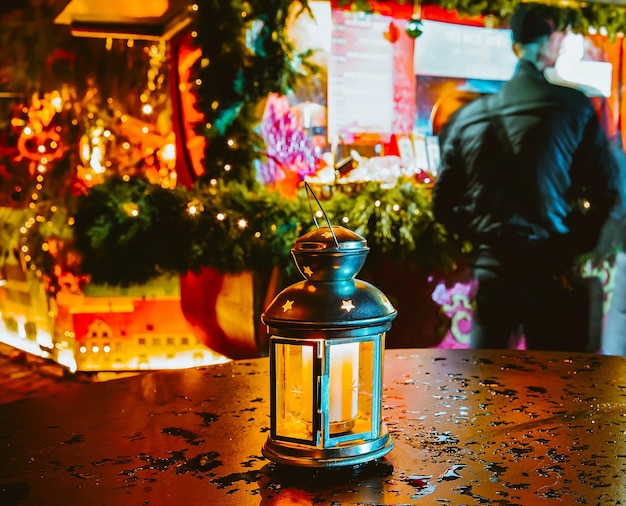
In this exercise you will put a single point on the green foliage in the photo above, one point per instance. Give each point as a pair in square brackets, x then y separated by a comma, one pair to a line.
[244, 229]
[10, 222]
[398, 222]
[130, 232]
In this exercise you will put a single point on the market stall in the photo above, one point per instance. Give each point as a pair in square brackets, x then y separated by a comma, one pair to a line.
[193, 180]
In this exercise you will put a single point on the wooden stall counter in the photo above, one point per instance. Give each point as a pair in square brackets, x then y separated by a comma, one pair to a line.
[470, 427]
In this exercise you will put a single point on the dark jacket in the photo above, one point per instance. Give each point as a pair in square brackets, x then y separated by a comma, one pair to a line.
[542, 167]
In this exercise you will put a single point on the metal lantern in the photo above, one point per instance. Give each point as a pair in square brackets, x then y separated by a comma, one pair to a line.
[326, 347]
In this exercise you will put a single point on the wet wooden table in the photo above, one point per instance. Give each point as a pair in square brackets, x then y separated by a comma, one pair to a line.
[470, 427]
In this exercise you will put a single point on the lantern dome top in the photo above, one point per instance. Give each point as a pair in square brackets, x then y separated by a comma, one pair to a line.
[330, 240]
[330, 297]
[330, 254]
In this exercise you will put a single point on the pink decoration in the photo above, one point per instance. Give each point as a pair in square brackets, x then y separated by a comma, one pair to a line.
[289, 151]
[455, 302]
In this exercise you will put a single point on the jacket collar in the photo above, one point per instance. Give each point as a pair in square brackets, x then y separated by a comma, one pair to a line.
[529, 69]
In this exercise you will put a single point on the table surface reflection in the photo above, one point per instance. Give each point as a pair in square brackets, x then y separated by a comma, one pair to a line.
[470, 427]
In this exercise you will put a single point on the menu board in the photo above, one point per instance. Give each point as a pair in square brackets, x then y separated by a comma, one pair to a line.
[360, 78]
[471, 52]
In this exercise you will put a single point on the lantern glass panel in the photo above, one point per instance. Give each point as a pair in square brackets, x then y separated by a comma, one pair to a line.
[351, 379]
[294, 390]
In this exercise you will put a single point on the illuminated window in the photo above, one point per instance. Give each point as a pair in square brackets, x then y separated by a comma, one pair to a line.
[141, 340]
[184, 340]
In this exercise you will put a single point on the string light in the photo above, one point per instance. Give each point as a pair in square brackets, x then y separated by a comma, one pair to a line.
[195, 207]
[131, 209]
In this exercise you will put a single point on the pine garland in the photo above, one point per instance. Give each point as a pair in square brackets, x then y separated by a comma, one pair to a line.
[604, 17]
[130, 232]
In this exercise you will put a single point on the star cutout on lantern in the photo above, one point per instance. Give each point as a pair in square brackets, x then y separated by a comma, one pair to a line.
[307, 270]
[347, 305]
[327, 235]
[287, 306]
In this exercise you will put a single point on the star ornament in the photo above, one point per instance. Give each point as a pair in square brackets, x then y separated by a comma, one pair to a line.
[287, 306]
[347, 305]
[307, 270]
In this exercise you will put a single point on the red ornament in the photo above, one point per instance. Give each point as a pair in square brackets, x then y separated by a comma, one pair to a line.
[393, 33]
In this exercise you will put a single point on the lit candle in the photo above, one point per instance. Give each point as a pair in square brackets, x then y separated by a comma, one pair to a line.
[344, 381]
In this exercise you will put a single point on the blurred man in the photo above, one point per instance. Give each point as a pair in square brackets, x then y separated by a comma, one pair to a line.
[528, 177]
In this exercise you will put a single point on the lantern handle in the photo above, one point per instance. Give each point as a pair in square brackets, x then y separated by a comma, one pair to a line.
[309, 192]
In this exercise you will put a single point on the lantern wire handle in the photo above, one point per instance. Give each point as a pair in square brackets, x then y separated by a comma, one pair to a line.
[309, 193]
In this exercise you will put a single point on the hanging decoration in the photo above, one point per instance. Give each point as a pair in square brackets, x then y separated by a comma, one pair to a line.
[414, 27]
[601, 17]
[393, 33]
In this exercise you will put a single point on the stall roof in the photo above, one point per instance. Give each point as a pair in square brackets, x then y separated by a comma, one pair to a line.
[140, 19]
[156, 19]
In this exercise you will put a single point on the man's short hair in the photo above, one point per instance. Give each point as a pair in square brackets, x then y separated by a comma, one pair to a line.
[528, 23]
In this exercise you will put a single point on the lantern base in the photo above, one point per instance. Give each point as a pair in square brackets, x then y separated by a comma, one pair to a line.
[293, 454]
